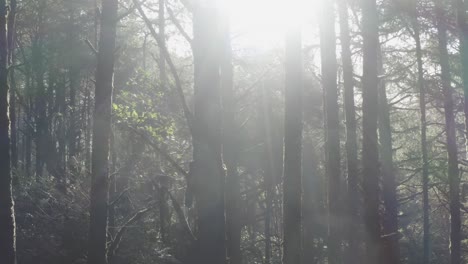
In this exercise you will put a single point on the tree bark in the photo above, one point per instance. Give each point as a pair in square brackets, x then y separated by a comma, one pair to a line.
[11, 59]
[460, 8]
[332, 130]
[101, 134]
[390, 236]
[352, 196]
[207, 170]
[40, 106]
[230, 148]
[423, 127]
[292, 177]
[7, 215]
[453, 171]
[268, 170]
[74, 85]
[370, 153]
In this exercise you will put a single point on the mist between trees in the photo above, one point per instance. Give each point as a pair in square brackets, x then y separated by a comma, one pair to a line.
[233, 132]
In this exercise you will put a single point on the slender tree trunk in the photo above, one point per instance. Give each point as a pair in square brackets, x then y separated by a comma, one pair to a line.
[163, 185]
[460, 8]
[102, 134]
[88, 137]
[11, 59]
[370, 153]
[40, 106]
[28, 143]
[292, 177]
[208, 173]
[162, 35]
[390, 250]
[112, 186]
[230, 149]
[423, 125]
[332, 133]
[311, 201]
[74, 82]
[269, 170]
[7, 216]
[352, 196]
[453, 172]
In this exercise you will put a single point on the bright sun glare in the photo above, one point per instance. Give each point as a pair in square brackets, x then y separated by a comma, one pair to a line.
[262, 23]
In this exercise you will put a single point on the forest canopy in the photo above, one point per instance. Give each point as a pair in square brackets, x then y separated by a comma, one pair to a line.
[233, 132]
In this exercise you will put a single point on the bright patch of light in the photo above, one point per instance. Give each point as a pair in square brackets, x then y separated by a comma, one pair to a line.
[262, 24]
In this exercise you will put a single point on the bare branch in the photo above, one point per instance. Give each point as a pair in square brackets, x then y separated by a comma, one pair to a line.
[167, 57]
[90, 45]
[179, 26]
[114, 245]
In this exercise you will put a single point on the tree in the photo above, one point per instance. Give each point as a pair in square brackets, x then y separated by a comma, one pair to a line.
[423, 127]
[208, 173]
[450, 131]
[332, 129]
[352, 195]
[11, 34]
[292, 216]
[102, 134]
[460, 8]
[231, 148]
[390, 250]
[370, 154]
[7, 214]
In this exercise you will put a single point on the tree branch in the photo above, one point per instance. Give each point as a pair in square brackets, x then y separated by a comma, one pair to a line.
[179, 26]
[167, 57]
[114, 245]
[165, 155]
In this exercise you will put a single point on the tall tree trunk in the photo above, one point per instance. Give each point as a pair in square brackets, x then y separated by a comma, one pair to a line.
[7, 216]
[453, 172]
[230, 149]
[423, 127]
[163, 185]
[40, 106]
[87, 108]
[208, 172]
[460, 8]
[112, 186]
[11, 59]
[162, 35]
[292, 177]
[352, 196]
[390, 250]
[269, 174]
[74, 83]
[332, 131]
[370, 153]
[311, 202]
[102, 134]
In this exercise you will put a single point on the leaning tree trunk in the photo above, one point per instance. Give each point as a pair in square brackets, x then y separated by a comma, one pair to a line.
[101, 134]
[332, 130]
[7, 216]
[207, 170]
[352, 196]
[370, 153]
[292, 178]
[453, 172]
[423, 127]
